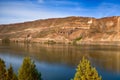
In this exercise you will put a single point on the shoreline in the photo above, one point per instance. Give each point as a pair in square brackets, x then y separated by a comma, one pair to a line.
[100, 43]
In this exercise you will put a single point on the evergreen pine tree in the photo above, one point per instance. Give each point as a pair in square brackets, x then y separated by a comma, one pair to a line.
[2, 70]
[86, 72]
[10, 74]
[28, 70]
[14, 77]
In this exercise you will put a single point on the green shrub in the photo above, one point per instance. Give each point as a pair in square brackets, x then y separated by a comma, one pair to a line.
[5, 40]
[50, 42]
[77, 39]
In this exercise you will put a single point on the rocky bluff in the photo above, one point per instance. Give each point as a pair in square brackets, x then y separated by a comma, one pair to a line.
[82, 30]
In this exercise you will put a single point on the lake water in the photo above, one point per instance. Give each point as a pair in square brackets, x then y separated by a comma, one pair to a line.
[59, 62]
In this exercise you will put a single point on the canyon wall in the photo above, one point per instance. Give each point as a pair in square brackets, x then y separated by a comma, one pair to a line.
[82, 30]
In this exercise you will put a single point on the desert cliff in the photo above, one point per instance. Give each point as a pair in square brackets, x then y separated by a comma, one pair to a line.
[81, 30]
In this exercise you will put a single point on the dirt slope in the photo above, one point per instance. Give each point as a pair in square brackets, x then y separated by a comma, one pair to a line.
[65, 30]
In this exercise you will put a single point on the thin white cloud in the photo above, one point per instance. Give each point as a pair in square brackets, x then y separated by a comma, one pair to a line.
[64, 2]
[40, 1]
[21, 12]
[12, 12]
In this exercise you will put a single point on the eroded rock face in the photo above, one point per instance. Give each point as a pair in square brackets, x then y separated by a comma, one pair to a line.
[64, 30]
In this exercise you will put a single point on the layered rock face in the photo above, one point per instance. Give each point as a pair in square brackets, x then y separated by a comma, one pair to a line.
[64, 30]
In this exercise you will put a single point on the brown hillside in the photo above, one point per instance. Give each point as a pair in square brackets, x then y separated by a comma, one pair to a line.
[69, 29]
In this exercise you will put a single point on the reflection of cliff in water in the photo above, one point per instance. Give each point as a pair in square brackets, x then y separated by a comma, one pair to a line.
[104, 57]
[107, 60]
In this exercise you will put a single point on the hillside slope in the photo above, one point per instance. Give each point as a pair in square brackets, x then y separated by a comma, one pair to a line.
[64, 30]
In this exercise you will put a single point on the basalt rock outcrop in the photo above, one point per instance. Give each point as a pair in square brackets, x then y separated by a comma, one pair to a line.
[82, 30]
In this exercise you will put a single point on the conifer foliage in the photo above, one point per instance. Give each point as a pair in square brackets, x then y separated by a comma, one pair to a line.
[2, 70]
[10, 75]
[86, 72]
[6, 74]
[28, 71]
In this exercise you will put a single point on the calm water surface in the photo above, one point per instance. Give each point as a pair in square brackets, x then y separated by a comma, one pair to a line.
[59, 62]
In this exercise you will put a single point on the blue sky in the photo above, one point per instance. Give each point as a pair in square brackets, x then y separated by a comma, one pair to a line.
[14, 11]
